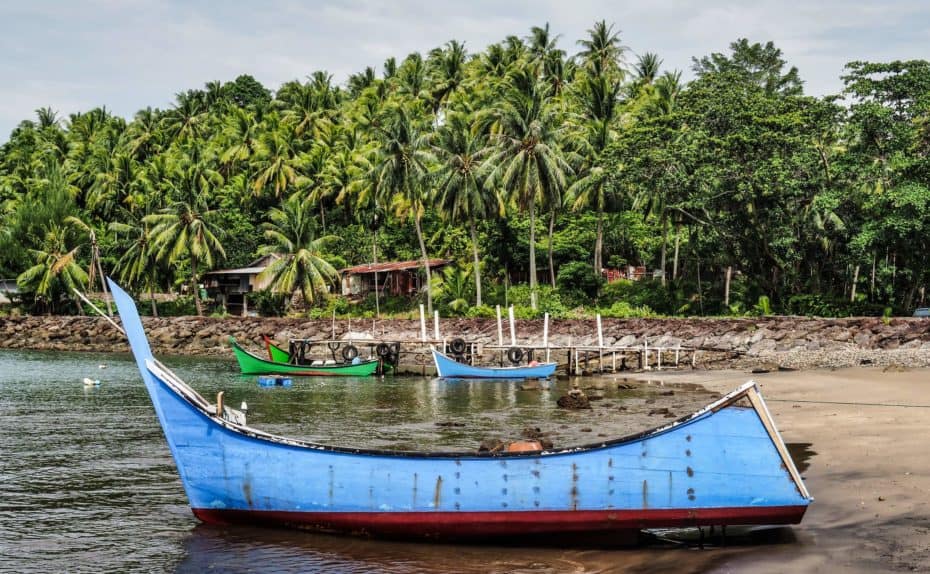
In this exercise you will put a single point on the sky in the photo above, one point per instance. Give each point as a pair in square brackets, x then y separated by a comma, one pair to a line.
[126, 55]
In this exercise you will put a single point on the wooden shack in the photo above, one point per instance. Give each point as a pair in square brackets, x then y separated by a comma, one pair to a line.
[396, 278]
[230, 287]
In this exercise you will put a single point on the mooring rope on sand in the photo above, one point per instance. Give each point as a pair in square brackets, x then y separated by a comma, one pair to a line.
[768, 400]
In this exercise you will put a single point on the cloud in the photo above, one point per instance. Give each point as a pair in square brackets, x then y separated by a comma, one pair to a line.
[127, 55]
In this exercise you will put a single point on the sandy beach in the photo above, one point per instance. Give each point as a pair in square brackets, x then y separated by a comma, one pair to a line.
[869, 430]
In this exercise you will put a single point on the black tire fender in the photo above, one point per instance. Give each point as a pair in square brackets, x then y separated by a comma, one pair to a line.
[457, 346]
[349, 352]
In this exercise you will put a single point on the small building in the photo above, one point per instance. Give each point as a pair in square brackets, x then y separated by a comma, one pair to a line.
[230, 287]
[398, 278]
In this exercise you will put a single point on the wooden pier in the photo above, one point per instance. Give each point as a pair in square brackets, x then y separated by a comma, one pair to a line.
[573, 359]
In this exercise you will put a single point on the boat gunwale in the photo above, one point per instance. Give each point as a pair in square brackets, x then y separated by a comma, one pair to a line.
[163, 375]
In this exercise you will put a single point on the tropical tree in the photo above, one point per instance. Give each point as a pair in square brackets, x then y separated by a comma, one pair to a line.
[186, 231]
[138, 266]
[56, 271]
[527, 161]
[301, 264]
[401, 171]
[461, 194]
[602, 52]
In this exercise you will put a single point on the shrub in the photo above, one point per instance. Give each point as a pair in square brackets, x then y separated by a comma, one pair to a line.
[623, 310]
[821, 306]
[268, 303]
[548, 300]
[643, 293]
[578, 283]
[183, 305]
[484, 312]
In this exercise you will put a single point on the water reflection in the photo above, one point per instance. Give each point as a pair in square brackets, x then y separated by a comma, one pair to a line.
[87, 482]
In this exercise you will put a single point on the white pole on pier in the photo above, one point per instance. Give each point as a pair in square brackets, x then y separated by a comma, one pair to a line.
[500, 328]
[422, 324]
[436, 325]
[546, 334]
[334, 324]
[513, 329]
[600, 332]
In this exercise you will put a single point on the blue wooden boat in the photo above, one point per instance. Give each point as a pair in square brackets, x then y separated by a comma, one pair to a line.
[447, 367]
[725, 464]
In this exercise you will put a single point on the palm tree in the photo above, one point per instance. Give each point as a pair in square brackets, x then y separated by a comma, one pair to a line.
[240, 136]
[602, 51]
[665, 99]
[598, 103]
[460, 191]
[185, 229]
[400, 172]
[647, 68]
[56, 271]
[527, 161]
[275, 163]
[290, 230]
[122, 185]
[541, 42]
[447, 72]
[183, 122]
[138, 265]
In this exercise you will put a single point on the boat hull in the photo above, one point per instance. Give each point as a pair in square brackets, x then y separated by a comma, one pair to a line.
[476, 525]
[725, 464]
[250, 364]
[447, 367]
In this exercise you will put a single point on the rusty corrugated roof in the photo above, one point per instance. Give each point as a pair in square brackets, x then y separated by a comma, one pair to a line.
[392, 266]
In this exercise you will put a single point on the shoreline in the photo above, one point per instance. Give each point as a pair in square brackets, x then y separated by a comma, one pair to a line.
[754, 344]
[864, 430]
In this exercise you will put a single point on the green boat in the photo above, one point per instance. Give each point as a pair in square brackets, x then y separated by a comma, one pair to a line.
[250, 364]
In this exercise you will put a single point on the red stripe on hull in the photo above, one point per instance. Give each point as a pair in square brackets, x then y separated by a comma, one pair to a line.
[486, 524]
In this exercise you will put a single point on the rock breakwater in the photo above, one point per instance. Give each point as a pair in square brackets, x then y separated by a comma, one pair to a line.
[797, 342]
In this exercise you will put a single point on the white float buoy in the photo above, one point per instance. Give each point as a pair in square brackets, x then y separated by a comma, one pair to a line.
[101, 366]
[91, 382]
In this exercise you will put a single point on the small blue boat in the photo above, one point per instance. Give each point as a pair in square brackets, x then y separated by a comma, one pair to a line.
[449, 368]
[725, 464]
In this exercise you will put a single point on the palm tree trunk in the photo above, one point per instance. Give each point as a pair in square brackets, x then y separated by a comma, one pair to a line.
[551, 265]
[664, 244]
[194, 289]
[429, 282]
[675, 259]
[152, 300]
[533, 253]
[474, 245]
[599, 244]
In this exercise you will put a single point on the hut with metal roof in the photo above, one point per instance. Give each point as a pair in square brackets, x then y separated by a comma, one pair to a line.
[397, 278]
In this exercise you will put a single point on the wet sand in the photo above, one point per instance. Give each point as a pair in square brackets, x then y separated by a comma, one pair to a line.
[869, 469]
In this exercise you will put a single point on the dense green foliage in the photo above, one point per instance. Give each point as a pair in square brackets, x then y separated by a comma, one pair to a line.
[519, 159]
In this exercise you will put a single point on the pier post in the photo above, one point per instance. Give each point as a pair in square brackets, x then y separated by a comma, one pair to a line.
[436, 325]
[546, 334]
[513, 329]
[422, 324]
